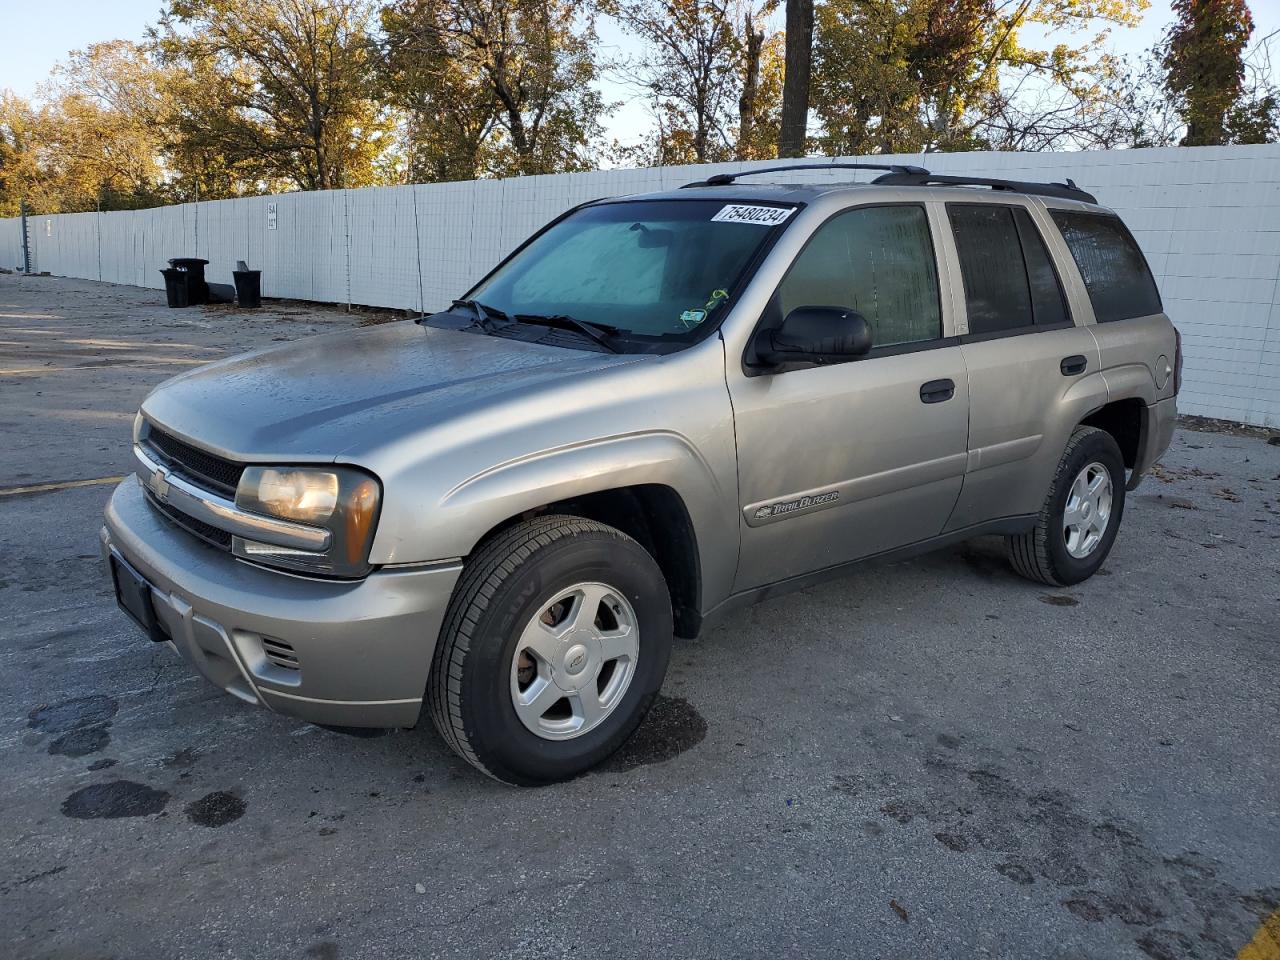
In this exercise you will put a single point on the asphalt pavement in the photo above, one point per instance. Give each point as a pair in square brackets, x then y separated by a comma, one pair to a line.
[927, 759]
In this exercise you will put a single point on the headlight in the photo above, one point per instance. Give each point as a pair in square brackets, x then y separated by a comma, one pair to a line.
[310, 496]
[138, 425]
[341, 499]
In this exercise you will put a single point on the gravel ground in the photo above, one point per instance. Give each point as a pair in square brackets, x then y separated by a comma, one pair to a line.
[926, 759]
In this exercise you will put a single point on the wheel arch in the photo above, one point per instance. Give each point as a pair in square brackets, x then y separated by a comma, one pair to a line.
[1126, 419]
[656, 517]
[654, 487]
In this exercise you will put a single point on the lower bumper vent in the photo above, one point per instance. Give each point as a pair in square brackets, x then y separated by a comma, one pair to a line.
[280, 653]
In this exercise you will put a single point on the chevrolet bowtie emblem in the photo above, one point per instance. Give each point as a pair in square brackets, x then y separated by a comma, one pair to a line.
[159, 484]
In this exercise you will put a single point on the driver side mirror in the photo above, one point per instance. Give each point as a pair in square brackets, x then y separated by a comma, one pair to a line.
[815, 335]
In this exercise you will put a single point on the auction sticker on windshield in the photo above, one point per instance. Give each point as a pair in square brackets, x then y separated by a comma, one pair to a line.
[744, 213]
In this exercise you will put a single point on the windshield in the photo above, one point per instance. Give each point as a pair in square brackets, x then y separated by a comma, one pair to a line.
[645, 268]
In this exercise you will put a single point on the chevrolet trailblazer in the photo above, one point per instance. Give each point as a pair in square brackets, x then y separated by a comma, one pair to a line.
[655, 410]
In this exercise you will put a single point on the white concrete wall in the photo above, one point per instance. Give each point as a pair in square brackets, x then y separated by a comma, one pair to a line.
[11, 244]
[1207, 217]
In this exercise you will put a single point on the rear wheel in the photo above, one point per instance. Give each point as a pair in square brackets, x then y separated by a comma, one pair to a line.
[555, 643]
[1080, 517]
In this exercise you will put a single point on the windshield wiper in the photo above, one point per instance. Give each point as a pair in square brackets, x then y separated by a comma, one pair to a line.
[600, 333]
[486, 317]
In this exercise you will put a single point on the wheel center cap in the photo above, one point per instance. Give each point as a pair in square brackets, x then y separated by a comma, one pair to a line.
[1085, 509]
[576, 659]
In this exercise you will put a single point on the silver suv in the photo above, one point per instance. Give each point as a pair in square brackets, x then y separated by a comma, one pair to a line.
[656, 410]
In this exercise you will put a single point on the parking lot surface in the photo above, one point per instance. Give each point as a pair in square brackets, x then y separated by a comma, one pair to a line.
[926, 759]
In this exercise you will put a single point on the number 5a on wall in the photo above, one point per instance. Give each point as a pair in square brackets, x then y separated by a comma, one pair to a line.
[271, 216]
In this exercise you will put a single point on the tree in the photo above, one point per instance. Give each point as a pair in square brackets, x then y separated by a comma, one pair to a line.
[913, 75]
[1149, 113]
[18, 173]
[447, 112]
[1255, 116]
[275, 89]
[1204, 64]
[103, 124]
[92, 143]
[510, 78]
[795, 85]
[760, 103]
[710, 72]
[866, 89]
[687, 71]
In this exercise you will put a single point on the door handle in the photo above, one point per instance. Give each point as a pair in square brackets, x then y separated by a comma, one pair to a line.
[935, 391]
[1071, 366]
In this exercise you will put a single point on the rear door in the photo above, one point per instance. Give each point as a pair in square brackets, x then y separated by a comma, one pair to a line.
[844, 461]
[1025, 354]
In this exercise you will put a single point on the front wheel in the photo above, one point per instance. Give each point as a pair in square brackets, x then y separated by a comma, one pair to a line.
[1080, 517]
[555, 644]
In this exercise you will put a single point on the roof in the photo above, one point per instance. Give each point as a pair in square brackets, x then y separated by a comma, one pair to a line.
[941, 186]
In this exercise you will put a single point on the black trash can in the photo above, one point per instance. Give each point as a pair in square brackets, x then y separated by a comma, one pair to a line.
[175, 287]
[193, 267]
[221, 293]
[248, 287]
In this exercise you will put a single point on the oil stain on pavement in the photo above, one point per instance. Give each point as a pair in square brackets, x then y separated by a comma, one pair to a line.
[72, 714]
[671, 727]
[111, 801]
[80, 743]
[83, 723]
[216, 809]
[1058, 600]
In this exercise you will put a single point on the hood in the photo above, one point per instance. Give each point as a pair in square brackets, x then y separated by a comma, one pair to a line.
[318, 398]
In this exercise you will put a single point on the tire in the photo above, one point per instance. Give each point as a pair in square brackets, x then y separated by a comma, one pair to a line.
[480, 661]
[1050, 553]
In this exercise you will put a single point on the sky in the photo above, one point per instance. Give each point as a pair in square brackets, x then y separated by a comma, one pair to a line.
[39, 33]
[42, 32]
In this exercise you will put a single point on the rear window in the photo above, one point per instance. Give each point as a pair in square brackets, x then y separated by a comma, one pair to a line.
[1114, 270]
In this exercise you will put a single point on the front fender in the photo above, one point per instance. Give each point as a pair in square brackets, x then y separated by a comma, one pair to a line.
[472, 508]
[666, 421]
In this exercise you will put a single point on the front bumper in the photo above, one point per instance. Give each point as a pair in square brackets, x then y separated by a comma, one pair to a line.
[362, 648]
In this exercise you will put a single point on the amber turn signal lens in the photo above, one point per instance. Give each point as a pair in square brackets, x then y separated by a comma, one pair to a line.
[362, 507]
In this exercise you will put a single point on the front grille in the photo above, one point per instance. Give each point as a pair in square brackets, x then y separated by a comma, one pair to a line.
[280, 653]
[209, 534]
[199, 467]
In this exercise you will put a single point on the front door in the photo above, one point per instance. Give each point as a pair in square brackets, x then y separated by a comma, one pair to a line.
[844, 461]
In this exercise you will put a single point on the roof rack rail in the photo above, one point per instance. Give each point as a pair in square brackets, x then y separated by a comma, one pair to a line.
[1067, 191]
[723, 179]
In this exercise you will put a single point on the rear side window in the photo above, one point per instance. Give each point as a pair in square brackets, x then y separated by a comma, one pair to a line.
[1112, 266]
[1047, 301]
[1009, 280]
[878, 261]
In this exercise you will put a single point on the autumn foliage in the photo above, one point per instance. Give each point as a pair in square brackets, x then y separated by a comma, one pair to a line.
[226, 98]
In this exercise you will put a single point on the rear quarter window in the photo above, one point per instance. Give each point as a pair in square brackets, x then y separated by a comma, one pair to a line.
[1111, 264]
